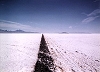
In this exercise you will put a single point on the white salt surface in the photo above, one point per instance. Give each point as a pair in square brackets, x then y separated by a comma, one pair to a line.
[71, 52]
[18, 52]
[75, 52]
[87, 43]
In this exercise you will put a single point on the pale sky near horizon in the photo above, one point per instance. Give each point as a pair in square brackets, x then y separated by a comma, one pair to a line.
[50, 15]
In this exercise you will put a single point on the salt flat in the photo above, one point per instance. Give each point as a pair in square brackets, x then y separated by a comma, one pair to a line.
[18, 52]
[71, 52]
[87, 43]
[75, 52]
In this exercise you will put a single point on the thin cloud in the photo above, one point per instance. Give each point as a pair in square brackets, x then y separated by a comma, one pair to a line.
[70, 27]
[94, 13]
[15, 25]
[89, 19]
[91, 16]
[8, 22]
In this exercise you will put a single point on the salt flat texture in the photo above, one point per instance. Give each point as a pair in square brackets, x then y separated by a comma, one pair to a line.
[18, 52]
[71, 52]
[75, 52]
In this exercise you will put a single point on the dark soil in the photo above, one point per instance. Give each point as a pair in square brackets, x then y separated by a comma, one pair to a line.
[45, 61]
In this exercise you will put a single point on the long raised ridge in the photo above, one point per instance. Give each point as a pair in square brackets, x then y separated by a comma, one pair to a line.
[45, 61]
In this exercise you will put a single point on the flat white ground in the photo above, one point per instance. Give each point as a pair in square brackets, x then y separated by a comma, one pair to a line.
[75, 52]
[18, 52]
[71, 52]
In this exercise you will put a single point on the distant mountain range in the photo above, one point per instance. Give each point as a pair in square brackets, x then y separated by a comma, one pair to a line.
[16, 31]
[21, 31]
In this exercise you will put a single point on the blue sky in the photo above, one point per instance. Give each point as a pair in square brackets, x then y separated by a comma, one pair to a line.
[50, 15]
